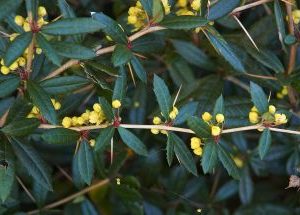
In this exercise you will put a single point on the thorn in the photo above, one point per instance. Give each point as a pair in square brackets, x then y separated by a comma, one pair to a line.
[131, 73]
[175, 100]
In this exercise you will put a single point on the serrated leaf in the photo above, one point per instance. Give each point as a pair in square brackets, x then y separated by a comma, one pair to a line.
[120, 85]
[223, 48]
[162, 95]
[200, 127]
[170, 149]
[107, 109]
[259, 97]
[21, 127]
[132, 141]
[183, 22]
[219, 106]
[121, 55]
[104, 138]
[48, 50]
[85, 162]
[17, 48]
[228, 162]
[73, 51]
[183, 154]
[18, 110]
[139, 69]
[71, 26]
[209, 157]
[185, 112]
[222, 8]
[7, 7]
[33, 163]
[102, 67]
[42, 100]
[8, 85]
[265, 141]
[60, 136]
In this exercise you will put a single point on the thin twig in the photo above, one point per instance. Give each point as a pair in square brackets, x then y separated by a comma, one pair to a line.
[238, 82]
[25, 189]
[64, 173]
[247, 6]
[262, 76]
[285, 131]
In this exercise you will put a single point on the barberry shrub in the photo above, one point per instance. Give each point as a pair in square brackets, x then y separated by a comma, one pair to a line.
[149, 107]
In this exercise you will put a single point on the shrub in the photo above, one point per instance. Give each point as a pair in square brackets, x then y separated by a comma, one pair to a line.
[171, 107]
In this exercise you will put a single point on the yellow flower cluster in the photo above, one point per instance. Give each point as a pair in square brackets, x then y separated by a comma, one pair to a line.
[270, 117]
[188, 7]
[94, 117]
[116, 104]
[219, 119]
[196, 146]
[157, 121]
[296, 16]
[35, 112]
[282, 93]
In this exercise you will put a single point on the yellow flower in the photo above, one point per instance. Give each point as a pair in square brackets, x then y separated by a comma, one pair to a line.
[67, 122]
[198, 151]
[85, 115]
[284, 91]
[38, 51]
[19, 20]
[167, 6]
[14, 66]
[74, 121]
[116, 104]
[272, 109]
[5, 70]
[132, 19]
[254, 109]
[26, 27]
[80, 120]
[253, 117]
[97, 107]
[164, 132]
[92, 142]
[195, 142]
[280, 119]
[181, 3]
[238, 162]
[206, 117]
[196, 5]
[220, 118]
[57, 106]
[156, 120]
[21, 61]
[215, 130]
[42, 11]
[154, 131]
[31, 115]
[94, 117]
[279, 95]
[172, 115]
[35, 110]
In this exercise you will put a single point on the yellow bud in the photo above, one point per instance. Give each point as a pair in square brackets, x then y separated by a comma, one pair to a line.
[21, 61]
[108, 38]
[74, 121]
[42, 11]
[57, 106]
[154, 131]
[35, 110]
[215, 130]
[195, 142]
[132, 19]
[40, 22]
[284, 91]
[253, 117]
[175, 110]
[12, 37]
[38, 51]
[14, 66]
[272, 109]
[138, 4]
[166, 5]
[5, 70]
[85, 116]
[133, 11]
[31, 115]
[279, 95]
[164, 132]
[80, 120]
[2, 62]
[172, 115]
[254, 109]
[181, 3]
[94, 117]
[156, 120]
[220, 118]
[67, 122]
[26, 27]
[198, 151]
[116, 104]
[97, 107]
[206, 117]
[19, 20]
[92, 142]
[280, 119]
[238, 162]
[53, 101]
[196, 5]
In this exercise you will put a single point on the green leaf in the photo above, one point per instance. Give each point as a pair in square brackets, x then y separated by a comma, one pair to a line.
[226, 191]
[162, 95]
[18, 110]
[200, 127]
[183, 22]
[65, 9]
[63, 85]
[265, 141]
[225, 50]
[110, 27]
[7, 7]
[107, 109]
[132, 141]
[120, 86]
[60, 136]
[104, 138]
[102, 67]
[170, 149]
[228, 163]
[183, 154]
[33, 163]
[21, 127]
[85, 162]
[280, 21]
[17, 48]
[139, 69]
[9, 85]
[71, 26]
[157, 11]
[219, 106]
[147, 6]
[246, 187]
[259, 98]
[48, 49]
[185, 112]
[42, 100]
[32, 7]
[209, 157]
[222, 8]
[72, 50]
[121, 55]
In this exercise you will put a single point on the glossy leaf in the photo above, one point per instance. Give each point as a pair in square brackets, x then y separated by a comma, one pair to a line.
[121, 55]
[85, 162]
[209, 157]
[183, 22]
[219, 106]
[162, 95]
[222, 8]
[21, 127]
[139, 69]
[73, 51]
[265, 141]
[200, 127]
[170, 149]
[8, 85]
[228, 163]
[7, 7]
[61, 136]
[48, 49]
[104, 138]
[259, 98]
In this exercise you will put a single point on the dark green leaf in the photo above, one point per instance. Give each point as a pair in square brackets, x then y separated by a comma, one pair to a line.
[18, 111]
[183, 22]
[65, 9]
[162, 95]
[9, 85]
[226, 191]
[48, 49]
[147, 6]
[280, 21]
[104, 138]
[32, 162]
[222, 8]
[245, 187]
[7, 7]
[42, 100]
[102, 67]
[265, 141]
[17, 48]
[72, 50]
[185, 112]
[107, 109]
[258, 97]
[85, 161]
[139, 69]
[200, 127]
[120, 86]
[61, 136]
[228, 163]
[132, 141]
[21, 127]
[157, 11]
[121, 55]
[209, 157]
[170, 149]
[219, 106]
[71, 26]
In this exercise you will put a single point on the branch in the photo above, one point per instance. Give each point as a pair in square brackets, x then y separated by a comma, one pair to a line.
[247, 6]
